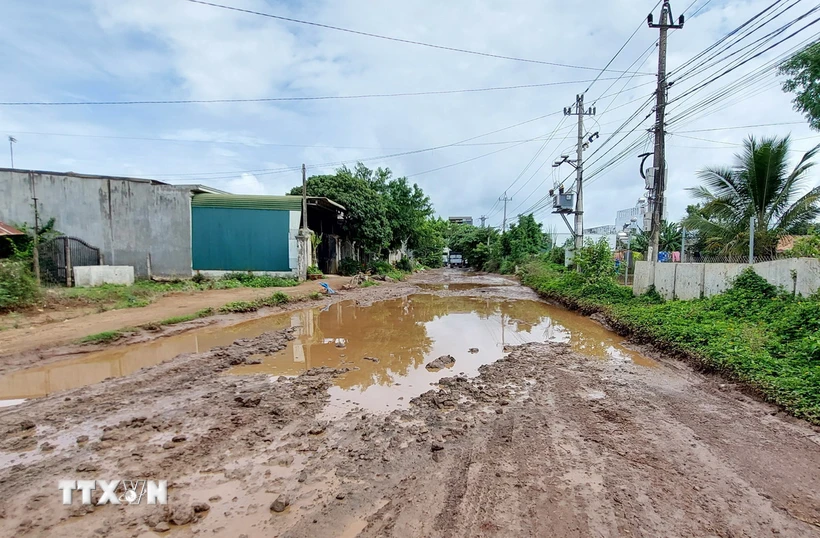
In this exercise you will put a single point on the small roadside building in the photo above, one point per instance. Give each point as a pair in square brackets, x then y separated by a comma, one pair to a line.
[258, 233]
[168, 230]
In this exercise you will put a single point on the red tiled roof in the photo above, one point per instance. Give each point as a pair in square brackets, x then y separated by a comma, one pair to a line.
[5, 229]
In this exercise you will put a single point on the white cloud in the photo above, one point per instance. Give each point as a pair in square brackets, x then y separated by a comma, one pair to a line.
[155, 49]
[246, 184]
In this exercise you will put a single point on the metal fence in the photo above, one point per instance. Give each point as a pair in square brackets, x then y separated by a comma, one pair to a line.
[59, 255]
[694, 258]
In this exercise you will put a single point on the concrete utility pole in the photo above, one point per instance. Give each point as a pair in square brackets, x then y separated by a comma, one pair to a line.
[304, 197]
[504, 222]
[483, 218]
[659, 160]
[579, 168]
[36, 252]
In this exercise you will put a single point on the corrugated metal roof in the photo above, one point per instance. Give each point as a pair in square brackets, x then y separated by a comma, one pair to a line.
[5, 229]
[238, 201]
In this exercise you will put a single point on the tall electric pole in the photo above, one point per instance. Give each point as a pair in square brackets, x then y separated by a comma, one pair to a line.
[579, 168]
[659, 159]
[483, 218]
[304, 198]
[504, 222]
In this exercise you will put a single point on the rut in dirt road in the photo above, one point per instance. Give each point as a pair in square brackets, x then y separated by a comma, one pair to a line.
[570, 433]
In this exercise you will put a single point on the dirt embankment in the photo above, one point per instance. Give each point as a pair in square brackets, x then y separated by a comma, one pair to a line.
[60, 326]
[545, 442]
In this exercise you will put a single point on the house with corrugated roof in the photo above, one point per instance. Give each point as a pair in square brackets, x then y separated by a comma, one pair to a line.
[168, 230]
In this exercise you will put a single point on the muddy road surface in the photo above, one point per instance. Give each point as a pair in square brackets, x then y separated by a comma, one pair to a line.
[326, 421]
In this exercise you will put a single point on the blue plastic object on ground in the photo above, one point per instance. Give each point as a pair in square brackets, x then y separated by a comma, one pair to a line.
[327, 288]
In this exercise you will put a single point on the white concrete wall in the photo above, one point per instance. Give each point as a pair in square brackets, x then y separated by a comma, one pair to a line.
[665, 279]
[689, 280]
[642, 277]
[127, 219]
[97, 275]
[694, 280]
[719, 276]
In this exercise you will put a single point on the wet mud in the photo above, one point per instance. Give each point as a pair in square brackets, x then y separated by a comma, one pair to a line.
[325, 422]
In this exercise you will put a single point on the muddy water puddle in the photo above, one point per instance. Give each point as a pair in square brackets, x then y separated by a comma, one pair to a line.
[459, 286]
[402, 335]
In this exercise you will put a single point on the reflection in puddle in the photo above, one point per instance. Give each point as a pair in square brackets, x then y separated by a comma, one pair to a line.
[403, 334]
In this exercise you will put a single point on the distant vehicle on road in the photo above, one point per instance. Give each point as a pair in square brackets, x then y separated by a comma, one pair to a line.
[455, 260]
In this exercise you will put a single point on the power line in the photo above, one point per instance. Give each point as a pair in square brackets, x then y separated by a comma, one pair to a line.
[618, 52]
[740, 127]
[284, 99]
[396, 39]
[205, 175]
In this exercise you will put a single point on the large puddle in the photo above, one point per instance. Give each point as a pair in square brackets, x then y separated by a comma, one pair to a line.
[403, 334]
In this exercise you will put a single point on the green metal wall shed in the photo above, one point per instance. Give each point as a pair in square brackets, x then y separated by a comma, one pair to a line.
[244, 233]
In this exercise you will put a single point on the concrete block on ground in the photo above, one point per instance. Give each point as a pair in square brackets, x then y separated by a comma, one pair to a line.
[717, 277]
[642, 277]
[665, 279]
[689, 281]
[97, 275]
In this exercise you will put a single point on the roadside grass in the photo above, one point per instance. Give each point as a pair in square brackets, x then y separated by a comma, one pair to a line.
[105, 337]
[276, 299]
[145, 292]
[204, 313]
[368, 283]
[753, 333]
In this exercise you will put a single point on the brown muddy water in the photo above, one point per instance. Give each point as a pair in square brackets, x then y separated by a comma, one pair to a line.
[403, 334]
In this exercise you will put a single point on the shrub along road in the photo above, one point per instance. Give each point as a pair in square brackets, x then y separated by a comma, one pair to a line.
[753, 333]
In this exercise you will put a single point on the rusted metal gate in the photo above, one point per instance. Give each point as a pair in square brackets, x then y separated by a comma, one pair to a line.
[59, 255]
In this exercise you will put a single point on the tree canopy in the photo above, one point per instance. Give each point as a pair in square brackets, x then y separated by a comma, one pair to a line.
[803, 71]
[758, 184]
[382, 212]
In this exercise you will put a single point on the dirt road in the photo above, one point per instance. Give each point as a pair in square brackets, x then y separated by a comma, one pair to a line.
[545, 442]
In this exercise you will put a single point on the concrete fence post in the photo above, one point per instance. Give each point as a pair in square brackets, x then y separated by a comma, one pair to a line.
[68, 265]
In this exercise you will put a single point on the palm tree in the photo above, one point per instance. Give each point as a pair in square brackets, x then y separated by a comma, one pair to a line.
[760, 185]
[669, 239]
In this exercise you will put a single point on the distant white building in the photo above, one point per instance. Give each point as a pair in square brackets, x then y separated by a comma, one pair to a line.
[461, 220]
[641, 212]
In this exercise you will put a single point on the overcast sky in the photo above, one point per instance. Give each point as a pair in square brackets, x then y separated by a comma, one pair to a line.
[113, 50]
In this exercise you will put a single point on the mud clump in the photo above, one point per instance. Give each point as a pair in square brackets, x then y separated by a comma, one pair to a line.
[281, 502]
[444, 361]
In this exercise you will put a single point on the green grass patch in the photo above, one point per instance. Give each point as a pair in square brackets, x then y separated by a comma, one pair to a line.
[277, 299]
[188, 317]
[753, 333]
[368, 283]
[103, 337]
[145, 292]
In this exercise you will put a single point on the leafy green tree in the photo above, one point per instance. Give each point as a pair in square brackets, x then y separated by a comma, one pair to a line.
[669, 240]
[366, 216]
[523, 240]
[408, 209]
[803, 72]
[472, 243]
[431, 242]
[759, 184]
[594, 260]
